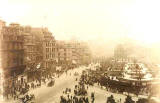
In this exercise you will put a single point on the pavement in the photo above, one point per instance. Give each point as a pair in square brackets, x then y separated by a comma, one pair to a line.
[46, 94]
[52, 94]
[101, 94]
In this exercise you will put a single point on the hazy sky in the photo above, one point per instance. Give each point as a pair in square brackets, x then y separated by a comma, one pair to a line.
[104, 23]
[88, 19]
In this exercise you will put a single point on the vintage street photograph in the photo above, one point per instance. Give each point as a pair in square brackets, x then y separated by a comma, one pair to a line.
[79, 51]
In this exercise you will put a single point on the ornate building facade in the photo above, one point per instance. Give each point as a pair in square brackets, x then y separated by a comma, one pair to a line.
[24, 47]
[48, 49]
[29, 46]
[73, 51]
[120, 53]
[12, 51]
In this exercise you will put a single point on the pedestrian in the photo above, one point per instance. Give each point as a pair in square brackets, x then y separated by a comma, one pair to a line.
[87, 86]
[92, 95]
[109, 99]
[93, 100]
[27, 97]
[87, 101]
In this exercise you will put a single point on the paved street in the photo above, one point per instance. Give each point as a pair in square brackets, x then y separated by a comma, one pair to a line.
[46, 94]
[52, 94]
[101, 94]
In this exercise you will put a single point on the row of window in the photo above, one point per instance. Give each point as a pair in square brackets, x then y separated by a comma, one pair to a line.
[50, 49]
[48, 64]
[31, 56]
[48, 44]
[30, 49]
[12, 62]
[50, 56]
[57, 49]
[11, 38]
[12, 46]
[60, 49]
[28, 41]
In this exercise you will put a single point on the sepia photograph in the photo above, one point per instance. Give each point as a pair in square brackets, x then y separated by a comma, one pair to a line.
[79, 51]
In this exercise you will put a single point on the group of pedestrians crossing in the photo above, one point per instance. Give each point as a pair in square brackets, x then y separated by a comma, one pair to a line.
[74, 99]
[79, 93]
[18, 89]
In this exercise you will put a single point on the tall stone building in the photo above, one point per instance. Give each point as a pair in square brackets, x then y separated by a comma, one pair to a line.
[120, 53]
[29, 47]
[12, 51]
[48, 49]
[63, 51]
[44, 46]
[85, 53]
[73, 52]
[38, 35]
[81, 52]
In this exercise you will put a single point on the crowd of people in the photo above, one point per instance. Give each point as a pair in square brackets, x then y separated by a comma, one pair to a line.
[74, 99]
[78, 95]
[27, 98]
[18, 88]
[91, 77]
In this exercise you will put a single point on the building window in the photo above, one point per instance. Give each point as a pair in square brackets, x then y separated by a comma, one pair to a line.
[46, 64]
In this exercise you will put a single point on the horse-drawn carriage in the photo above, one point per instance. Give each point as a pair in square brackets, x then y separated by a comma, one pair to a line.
[51, 83]
[76, 74]
[27, 98]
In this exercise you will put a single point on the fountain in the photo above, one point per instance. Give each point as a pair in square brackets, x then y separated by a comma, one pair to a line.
[137, 74]
[137, 71]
